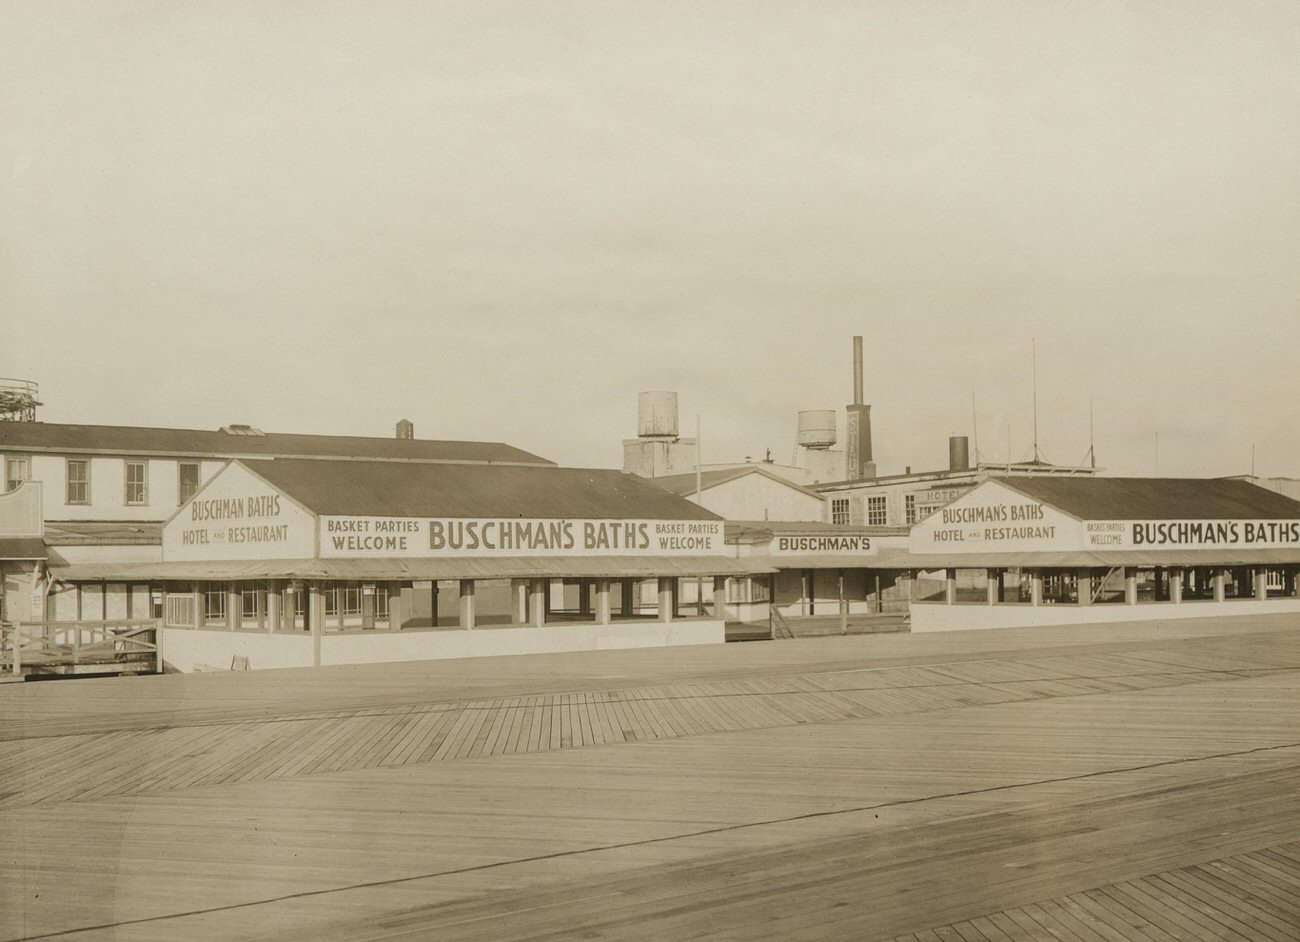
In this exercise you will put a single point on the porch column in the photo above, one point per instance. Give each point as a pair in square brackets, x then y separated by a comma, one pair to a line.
[949, 586]
[467, 604]
[1130, 585]
[1218, 583]
[234, 607]
[1292, 583]
[1035, 587]
[844, 604]
[665, 598]
[274, 603]
[1176, 584]
[197, 589]
[1084, 577]
[433, 610]
[1261, 582]
[395, 614]
[520, 589]
[537, 602]
[368, 590]
[991, 589]
[316, 618]
[602, 602]
[806, 592]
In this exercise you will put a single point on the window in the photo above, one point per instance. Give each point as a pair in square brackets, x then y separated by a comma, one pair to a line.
[840, 510]
[137, 482]
[876, 515]
[78, 481]
[214, 603]
[180, 609]
[744, 589]
[909, 508]
[381, 601]
[189, 480]
[17, 470]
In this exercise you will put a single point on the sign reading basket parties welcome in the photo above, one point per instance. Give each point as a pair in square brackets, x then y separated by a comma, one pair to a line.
[497, 537]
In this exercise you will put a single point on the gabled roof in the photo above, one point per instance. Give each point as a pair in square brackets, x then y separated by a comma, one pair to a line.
[1089, 498]
[401, 489]
[135, 440]
[684, 484]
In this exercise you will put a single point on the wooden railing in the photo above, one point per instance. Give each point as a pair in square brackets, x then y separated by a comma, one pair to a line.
[74, 642]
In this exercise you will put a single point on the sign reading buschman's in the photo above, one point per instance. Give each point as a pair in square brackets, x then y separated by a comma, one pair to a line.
[829, 544]
[480, 537]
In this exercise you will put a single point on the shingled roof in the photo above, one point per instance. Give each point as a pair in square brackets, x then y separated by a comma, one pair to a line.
[177, 442]
[1090, 498]
[398, 489]
[684, 484]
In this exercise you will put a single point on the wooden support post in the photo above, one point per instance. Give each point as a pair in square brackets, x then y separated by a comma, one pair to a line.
[1292, 581]
[991, 585]
[520, 589]
[467, 604]
[950, 586]
[1176, 585]
[665, 598]
[234, 606]
[844, 603]
[1219, 581]
[1084, 577]
[1130, 585]
[1035, 587]
[316, 619]
[719, 599]
[806, 589]
[16, 646]
[395, 613]
[1261, 582]
[274, 606]
[197, 589]
[537, 603]
[433, 609]
[602, 602]
[368, 590]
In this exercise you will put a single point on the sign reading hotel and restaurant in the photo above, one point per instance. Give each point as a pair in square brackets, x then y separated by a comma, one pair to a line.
[822, 544]
[994, 518]
[513, 536]
[239, 516]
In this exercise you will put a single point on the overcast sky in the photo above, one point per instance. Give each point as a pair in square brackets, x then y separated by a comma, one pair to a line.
[503, 220]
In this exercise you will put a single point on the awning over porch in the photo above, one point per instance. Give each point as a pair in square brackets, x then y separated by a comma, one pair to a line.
[23, 547]
[516, 567]
[885, 559]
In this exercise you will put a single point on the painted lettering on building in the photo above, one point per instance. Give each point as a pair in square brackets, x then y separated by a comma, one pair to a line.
[831, 543]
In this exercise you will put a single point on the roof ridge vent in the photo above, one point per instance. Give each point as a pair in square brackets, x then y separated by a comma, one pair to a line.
[235, 428]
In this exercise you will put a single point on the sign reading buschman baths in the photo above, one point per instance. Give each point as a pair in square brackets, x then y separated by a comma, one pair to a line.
[994, 518]
[438, 537]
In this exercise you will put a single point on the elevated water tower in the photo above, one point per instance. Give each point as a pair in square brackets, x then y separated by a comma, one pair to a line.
[815, 436]
[18, 400]
[657, 449]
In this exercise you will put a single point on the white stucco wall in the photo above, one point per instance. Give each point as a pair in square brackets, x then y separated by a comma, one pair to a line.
[929, 616]
[183, 648]
[108, 487]
[757, 497]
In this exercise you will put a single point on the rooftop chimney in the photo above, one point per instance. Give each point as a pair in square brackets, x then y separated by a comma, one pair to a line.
[858, 426]
[406, 429]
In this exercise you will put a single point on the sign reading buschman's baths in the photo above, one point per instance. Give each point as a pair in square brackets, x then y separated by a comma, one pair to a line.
[437, 537]
[995, 518]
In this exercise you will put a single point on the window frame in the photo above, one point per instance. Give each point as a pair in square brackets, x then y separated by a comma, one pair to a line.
[840, 510]
[68, 482]
[873, 503]
[180, 480]
[143, 483]
[10, 461]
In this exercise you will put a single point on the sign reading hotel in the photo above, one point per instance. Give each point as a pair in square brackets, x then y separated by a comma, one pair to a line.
[995, 518]
[441, 537]
[827, 544]
[238, 516]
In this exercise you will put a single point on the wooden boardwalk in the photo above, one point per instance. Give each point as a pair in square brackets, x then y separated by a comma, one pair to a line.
[1019, 785]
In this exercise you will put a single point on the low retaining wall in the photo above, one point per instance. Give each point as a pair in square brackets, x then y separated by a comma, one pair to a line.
[928, 616]
[185, 648]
